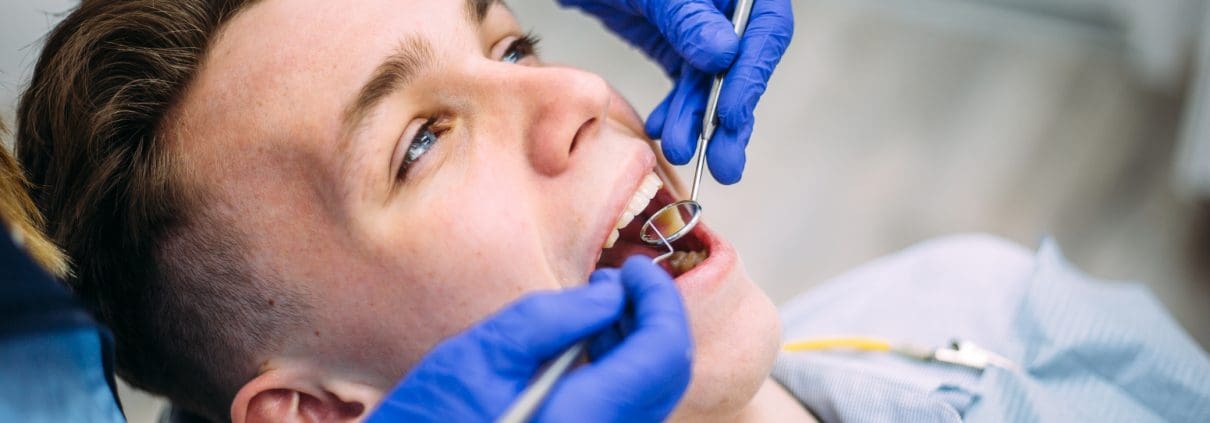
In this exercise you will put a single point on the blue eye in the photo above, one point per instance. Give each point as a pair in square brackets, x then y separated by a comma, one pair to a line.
[420, 145]
[426, 137]
[520, 49]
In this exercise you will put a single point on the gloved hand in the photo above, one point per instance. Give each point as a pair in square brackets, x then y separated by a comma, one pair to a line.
[477, 374]
[694, 40]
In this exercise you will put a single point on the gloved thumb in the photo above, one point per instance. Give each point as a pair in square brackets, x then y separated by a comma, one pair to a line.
[540, 326]
[478, 372]
[643, 377]
[698, 30]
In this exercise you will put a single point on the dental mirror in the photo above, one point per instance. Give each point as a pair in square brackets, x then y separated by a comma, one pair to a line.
[676, 220]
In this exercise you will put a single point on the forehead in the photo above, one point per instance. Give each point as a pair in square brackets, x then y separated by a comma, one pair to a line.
[283, 59]
[267, 102]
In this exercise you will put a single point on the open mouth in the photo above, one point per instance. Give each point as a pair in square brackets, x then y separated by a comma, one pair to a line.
[624, 242]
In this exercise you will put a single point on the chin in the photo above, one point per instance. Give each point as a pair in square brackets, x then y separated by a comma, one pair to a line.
[736, 329]
[737, 334]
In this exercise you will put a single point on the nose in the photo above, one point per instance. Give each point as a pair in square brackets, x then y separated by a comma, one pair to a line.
[557, 109]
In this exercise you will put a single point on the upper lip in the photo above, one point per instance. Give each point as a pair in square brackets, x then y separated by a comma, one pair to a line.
[636, 170]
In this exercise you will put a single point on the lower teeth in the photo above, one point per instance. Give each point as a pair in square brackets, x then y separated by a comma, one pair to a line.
[681, 262]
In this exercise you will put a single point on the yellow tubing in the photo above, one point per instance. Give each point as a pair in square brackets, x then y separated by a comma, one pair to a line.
[853, 343]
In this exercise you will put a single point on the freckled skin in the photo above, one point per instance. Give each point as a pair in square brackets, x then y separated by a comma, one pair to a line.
[499, 207]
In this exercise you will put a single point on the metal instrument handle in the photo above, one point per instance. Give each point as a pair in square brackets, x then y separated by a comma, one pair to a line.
[743, 10]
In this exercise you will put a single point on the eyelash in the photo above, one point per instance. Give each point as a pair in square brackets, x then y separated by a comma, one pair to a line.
[521, 48]
[436, 126]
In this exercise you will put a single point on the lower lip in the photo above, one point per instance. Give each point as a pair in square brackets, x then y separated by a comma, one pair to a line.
[710, 272]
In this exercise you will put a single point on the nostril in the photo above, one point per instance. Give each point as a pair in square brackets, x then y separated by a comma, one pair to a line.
[584, 131]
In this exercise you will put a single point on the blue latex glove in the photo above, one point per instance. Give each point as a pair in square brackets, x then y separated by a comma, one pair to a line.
[476, 375]
[694, 40]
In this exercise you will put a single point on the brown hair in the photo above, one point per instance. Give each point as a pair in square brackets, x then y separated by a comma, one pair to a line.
[190, 322]
[22, 219]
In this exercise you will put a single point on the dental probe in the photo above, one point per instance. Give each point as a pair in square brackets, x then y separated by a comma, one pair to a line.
[679, 218]
[958, 352]
[532, 397]
[710, 119]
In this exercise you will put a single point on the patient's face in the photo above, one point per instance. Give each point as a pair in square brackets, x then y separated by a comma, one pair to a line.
[468, 174]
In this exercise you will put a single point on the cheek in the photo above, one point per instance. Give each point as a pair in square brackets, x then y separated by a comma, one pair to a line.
[622, 112]
[450, 258]
[488, 230]
[476, 238]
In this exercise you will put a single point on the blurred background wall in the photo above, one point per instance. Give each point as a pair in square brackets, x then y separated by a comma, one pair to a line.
[893, 121]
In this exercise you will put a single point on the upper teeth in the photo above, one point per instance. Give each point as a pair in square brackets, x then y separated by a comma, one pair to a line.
[647, 189]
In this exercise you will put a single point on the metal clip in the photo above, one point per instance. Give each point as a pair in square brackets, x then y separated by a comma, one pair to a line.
[967, 354]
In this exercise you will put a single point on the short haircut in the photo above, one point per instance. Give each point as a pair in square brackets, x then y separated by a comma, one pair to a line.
[190, 320]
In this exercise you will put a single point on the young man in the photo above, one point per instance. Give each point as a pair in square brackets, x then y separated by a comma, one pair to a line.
[290, 221]
[282, 202]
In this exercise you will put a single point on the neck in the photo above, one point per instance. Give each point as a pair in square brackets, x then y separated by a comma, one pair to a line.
[772, 403]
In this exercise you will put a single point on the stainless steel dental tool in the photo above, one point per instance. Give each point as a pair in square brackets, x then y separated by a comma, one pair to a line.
[678, 219]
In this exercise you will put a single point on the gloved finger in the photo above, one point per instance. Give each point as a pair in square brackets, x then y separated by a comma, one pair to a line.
[539, 326]
[604, 275]
[604, 342]
[683, 123]
[608, 338]
[698, 30]
[636, 30]
[648, 39]
[769, 31]
[727, 7]
[726, 154]
[659, 316]
[480, 371]
[650, 370]
[655, 121]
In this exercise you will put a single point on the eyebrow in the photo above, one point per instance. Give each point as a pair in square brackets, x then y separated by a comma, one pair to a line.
[478, 9]
[408, 60]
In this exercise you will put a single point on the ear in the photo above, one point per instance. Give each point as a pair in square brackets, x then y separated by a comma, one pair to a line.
[300, 395]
